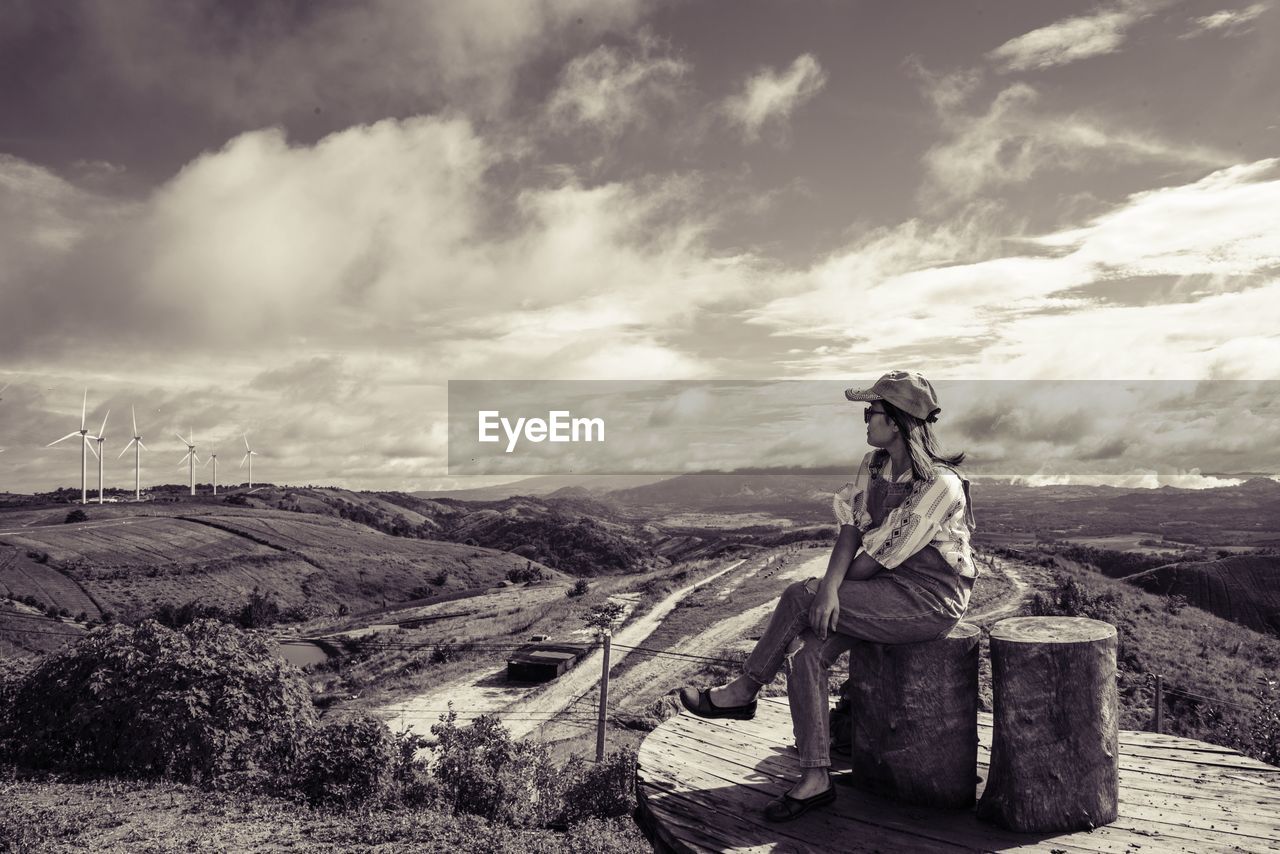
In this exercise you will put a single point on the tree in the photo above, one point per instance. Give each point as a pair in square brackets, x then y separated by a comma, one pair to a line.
[603, 617]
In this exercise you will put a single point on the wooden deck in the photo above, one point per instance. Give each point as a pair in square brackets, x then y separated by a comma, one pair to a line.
[703, 783]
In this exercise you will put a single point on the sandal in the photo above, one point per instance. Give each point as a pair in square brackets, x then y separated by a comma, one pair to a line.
[704, 708]
[787, 808]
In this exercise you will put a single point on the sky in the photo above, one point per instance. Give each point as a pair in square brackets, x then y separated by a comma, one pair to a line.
[300, 220]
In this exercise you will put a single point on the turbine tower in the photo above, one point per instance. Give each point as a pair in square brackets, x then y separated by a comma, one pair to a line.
[102, 435]
[190, 459]
[214, 457]
[250, 453]
[136, 444]
[84, 447]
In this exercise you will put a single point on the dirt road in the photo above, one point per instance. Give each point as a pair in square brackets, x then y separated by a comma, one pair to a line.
[521, 707]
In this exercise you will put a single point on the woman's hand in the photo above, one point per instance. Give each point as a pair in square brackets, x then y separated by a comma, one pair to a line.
[824, 612]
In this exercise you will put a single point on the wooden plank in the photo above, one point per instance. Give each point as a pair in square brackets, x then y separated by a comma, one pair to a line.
[730, 808]
[1163, 816]
[683, 764]
[1205, 778]
[717, 741]
[828, 828]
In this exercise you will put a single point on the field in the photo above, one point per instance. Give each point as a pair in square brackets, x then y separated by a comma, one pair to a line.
[128, 560]
[1244, 589]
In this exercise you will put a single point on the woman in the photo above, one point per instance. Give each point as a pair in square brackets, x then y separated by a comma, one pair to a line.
[901, 572]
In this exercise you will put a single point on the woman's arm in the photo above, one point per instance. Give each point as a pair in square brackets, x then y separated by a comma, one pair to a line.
[825, 610]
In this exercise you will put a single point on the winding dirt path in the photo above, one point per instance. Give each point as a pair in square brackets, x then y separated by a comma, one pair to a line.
[523, 708]
[1011, 604]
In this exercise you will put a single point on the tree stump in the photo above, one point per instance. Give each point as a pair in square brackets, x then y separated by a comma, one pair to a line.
[1054, 751]
[915, 719]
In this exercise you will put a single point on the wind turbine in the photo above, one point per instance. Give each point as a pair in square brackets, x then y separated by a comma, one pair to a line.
[250, 453]
[136, 444]
[190, 459]
[102, 435]
[84, 445]
[214, 457]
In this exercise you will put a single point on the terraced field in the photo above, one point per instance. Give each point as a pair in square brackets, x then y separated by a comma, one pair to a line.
[131, 564]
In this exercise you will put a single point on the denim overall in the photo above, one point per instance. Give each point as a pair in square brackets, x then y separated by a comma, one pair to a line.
[926, 572]
[921, 599]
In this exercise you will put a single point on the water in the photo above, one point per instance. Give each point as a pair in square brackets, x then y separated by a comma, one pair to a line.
[301, 653]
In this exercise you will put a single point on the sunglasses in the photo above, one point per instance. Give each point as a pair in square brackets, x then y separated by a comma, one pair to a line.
[868, 412]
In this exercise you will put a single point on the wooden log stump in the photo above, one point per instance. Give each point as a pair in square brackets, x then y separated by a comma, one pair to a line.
[915, 719]
[1054, 749]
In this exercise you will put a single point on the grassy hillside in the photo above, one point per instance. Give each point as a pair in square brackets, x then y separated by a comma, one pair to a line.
[1219, 675]
[125, 564]
[1244, 589]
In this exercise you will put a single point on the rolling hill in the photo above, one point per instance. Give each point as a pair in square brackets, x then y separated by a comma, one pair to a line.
[1244, 589]
[138, 558]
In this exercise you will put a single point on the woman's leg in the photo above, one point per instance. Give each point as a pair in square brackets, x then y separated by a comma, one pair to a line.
[789, 619]
[810, 716]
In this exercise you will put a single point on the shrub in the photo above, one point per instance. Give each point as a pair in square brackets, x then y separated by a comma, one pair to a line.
[193, 705]
[579, 588]
[74, 516]
[527, 573]
[480, 770]
[359, 762]
[603, 790]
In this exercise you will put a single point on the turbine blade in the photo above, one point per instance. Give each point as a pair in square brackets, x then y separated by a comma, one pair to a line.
[102, 431]
[84, 407]
[63, 439]
[180, 439]
[195, 456]
[140, 445]
[89, 445]
[134, 413]
[183, 460]
[126, 448]
[246, 442]
[242, 459]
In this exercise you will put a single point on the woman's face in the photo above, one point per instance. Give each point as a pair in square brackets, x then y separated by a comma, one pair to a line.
[880, 429]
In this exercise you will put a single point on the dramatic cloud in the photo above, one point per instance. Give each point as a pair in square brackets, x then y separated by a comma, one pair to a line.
[612, 90]
[260, 62]
[771, 97]
[1014, 141]
[1072, 39]
[913, 286]
[1228, 22]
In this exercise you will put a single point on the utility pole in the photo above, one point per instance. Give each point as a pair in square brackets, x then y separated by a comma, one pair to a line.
[1159, 703]
[607, 636]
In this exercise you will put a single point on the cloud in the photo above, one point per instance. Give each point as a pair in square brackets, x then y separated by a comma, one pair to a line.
[770, 97]
[1017, 315]
[1014, 142]
[1228, 22]
[259, 63]
[1072, 39]
[1141, 479]
[612, 90]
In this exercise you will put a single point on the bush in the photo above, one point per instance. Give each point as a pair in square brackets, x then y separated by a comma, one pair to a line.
[359, 762]
[604, 790]
[75, 516]
[195, 705]
[480, 770]
[525, 574]
[579, 588]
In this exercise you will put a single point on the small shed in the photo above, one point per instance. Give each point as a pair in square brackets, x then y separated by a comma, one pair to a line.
[542, 662]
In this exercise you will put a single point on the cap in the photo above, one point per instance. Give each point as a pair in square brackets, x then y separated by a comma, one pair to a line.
[910, 392]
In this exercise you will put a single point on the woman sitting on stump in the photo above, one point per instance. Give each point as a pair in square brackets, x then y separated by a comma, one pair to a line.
[901, 572]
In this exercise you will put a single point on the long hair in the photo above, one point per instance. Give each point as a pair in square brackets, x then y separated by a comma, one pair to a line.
[922, 447]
